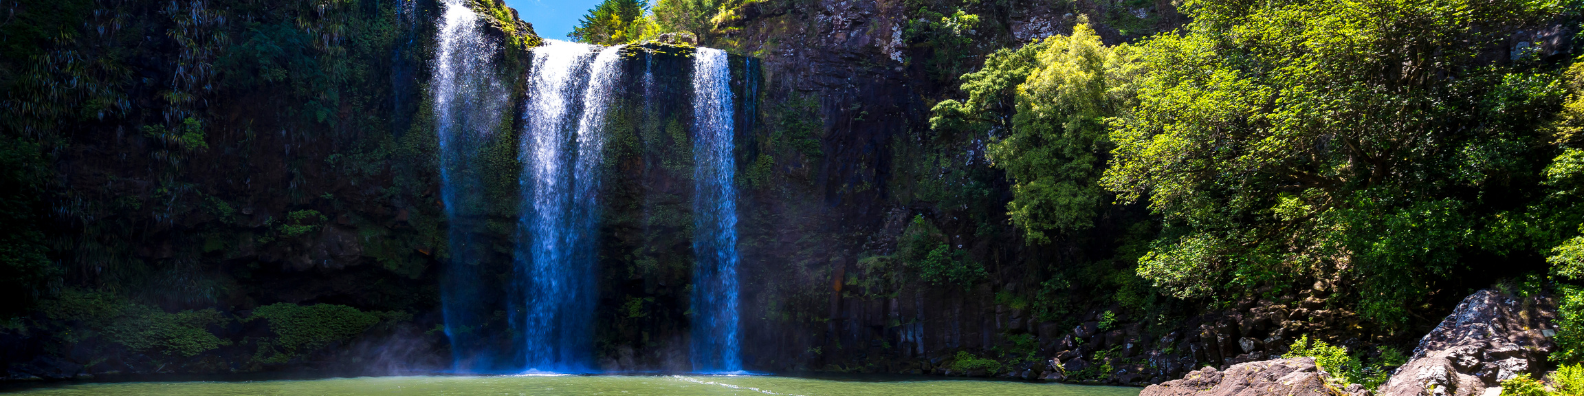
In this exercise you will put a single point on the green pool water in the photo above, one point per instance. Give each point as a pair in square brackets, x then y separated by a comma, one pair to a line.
[585, 385]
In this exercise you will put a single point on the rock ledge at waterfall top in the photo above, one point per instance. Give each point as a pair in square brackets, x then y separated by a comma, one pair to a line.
[1491, 337]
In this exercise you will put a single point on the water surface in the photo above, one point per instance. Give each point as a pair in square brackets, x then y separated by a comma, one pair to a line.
[587, 385]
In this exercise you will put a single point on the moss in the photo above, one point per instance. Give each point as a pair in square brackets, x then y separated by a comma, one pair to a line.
[301, 222]
[78, 317]
[146, 329]
[302, 329]
[966, 362]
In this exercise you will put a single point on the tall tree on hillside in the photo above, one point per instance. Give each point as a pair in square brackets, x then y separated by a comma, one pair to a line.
[691, 16]
[614, 22]
[1060, 93]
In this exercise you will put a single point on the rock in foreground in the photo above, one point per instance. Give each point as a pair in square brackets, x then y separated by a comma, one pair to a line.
[1288, 377]
[1491, 337]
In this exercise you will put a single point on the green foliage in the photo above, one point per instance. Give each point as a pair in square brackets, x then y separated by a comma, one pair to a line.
[1348, 369]
[614, 22]
[1570, 326]
[26, 272]
[1107, 320]
[88, 316]
[187, 137]
[1275, 148]
[1011, 300]
[966, 362]
[948, 34]
[146, 329]
[687, 16]
[634, 308]
[302, 329]
[1054, 299]
[924, 249]
[1568, 380]
[947, 266]
[300, 222]
[1067, 87]
[1332, 359]
[1523, 385]
[1024, 348]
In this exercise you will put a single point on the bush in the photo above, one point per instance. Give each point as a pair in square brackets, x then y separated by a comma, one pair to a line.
[1570, 327]
[139, 328]
[1332, 359]
[923, 248]
[1569, 380]
[300, 329]
[1522, 385]
[966, 362]
[1346, 369]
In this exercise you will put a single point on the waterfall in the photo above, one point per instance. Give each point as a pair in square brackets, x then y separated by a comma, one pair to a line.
[468, 100]
[715, 331]
[561, 154]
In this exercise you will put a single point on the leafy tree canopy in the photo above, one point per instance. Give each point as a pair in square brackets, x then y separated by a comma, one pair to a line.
[1367, 143]
[615, 22]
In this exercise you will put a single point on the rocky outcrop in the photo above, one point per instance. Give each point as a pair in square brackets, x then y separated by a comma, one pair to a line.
[1293, 377]
[1491, 337]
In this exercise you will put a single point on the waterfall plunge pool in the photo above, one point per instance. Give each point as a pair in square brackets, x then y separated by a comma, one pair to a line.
[659, 385]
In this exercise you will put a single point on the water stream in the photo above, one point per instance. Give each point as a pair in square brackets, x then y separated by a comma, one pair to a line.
[469, 99]
[551, 298]
[715, 331]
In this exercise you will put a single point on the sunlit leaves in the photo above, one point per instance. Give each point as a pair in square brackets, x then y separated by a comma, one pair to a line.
[1339, 139]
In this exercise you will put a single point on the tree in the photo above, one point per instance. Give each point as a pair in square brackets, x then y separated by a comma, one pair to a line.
[26, 272]
[614, 22]
[1362, 142]
[691, 16]
[1066, 88]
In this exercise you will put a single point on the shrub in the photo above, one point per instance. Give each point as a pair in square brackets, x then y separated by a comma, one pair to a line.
[1522, 385]
[140, 328]
[1569, 380]
[1570, 327]
[1346, 369]
[146, 329]
[966, 362]
[302, 222]
[301, 329]
[923, 248]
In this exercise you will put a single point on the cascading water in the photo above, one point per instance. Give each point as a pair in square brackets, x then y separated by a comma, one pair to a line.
[468, 101]
[551, 301]
[715, 332]
[555, 248]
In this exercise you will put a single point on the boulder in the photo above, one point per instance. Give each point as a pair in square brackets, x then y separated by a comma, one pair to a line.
[1490, 337]
[1289, 377]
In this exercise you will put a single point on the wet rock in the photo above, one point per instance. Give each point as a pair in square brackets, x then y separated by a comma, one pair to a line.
[1086, 330]
[1490, 337]
[1075, 365]
[1291, 377]
[1251, 344]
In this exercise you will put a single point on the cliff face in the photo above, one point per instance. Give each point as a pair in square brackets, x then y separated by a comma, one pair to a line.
[207, 159]
[232, 178]
[833, 279]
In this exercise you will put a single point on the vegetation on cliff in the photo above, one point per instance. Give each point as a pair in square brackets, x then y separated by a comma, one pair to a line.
[1382, 148]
